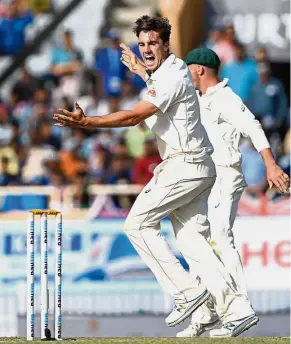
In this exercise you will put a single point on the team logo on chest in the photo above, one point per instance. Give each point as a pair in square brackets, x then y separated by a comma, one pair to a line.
[208, 107]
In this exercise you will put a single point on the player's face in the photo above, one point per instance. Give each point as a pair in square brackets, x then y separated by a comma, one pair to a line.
[195, 75]
[152, 49]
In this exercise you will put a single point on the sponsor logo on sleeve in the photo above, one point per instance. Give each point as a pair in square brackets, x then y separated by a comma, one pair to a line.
[152, 93]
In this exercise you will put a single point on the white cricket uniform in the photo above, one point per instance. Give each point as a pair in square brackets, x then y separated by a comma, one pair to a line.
[226, 119]
[180, 189]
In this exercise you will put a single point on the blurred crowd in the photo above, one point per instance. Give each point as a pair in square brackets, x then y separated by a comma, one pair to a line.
[35, 152]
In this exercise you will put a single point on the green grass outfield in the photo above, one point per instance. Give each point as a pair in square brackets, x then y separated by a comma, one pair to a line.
[242, 340]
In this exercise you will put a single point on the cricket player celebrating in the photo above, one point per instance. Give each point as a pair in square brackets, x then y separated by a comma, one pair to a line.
[226, 119]
[180, 186]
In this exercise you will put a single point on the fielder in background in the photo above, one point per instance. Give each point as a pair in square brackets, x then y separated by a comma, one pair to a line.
[226, 119]
[180, 186]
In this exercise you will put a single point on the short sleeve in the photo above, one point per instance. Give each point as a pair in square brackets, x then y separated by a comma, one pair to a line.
[164, 95]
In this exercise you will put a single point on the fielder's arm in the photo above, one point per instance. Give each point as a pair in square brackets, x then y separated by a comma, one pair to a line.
[126, 118]
[237, 114]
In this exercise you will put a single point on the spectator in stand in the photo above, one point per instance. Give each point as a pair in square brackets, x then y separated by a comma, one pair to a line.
[118, 172]
[268, 102]
[106, 139]
[7, 178]
[144, 166]
[79, 191]
[47, 136]
[225, 44]
[41, 95]
[51, 167]
[135, 138]
[71, 161]
[3, 10]
[36, 154]
[39, 114]
[99, 163]
[25, 87]
[242, 73]
[214, 37]
[129, 98]
[12, 29]
[66, 66]
[110, 72]
[6, 130]
[261, 55]
[10, 164]
[253, 169]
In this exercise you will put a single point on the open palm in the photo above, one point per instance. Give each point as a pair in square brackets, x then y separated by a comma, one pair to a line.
[131, 61]
[66, 118]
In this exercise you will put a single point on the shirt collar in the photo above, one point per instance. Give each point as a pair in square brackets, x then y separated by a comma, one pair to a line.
[163, 67]
[212, 89]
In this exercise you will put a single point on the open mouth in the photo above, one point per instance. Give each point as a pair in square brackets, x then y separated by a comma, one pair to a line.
[149, 60]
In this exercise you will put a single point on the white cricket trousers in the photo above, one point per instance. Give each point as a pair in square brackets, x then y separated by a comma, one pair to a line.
[181, 189]
[222, 210]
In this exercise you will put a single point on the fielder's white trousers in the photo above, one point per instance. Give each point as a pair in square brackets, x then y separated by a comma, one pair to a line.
[222, 210]
[180, 189]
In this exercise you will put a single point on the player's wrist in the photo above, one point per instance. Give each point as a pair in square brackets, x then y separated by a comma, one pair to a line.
[86, 122]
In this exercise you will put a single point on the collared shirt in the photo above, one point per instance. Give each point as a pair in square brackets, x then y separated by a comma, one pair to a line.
[177, 124]
[226, 119]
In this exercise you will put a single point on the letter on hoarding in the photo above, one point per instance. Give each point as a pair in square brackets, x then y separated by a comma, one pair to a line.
[282, 254]
[268, 30]
[261, 254]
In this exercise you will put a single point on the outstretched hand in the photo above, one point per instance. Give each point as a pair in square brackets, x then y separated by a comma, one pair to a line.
[66, 118]
[132, 62]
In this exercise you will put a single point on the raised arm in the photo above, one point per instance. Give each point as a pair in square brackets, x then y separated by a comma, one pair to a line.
[132, 62]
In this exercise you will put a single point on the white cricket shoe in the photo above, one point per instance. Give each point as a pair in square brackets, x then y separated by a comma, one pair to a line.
[197, 329]
[182, 311]
[235, 328]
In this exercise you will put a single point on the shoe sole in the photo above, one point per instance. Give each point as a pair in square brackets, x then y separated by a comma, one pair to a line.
[200, 300]
[246, 325]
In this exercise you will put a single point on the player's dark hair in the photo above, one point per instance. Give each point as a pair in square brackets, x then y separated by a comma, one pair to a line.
[158, 24]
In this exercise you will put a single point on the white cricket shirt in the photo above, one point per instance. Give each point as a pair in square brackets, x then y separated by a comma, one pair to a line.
[226, 118]
[177, 124]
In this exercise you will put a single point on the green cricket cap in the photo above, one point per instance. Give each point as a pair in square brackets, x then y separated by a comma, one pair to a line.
[204, 57]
